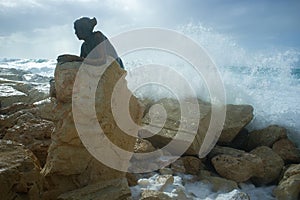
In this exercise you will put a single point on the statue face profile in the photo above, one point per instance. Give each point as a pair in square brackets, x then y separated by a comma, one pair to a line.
[84, 27]
[80, 32]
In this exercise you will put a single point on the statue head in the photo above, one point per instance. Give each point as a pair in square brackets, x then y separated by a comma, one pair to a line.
[84, 27]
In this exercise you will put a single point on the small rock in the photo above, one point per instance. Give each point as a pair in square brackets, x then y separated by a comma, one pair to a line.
[266, 137]
[287, 150]
[289, 187]
[166, 171]
[187, 164]
[154, 195]
[238, 168]
[272, 165]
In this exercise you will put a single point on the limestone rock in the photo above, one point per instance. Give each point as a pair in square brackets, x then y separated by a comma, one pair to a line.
[166, 171]
[234, 195]
[154, 195]
[19, 172]
[112, 190]
[272, 165]
[187, 164]
[69, 165]
[287, 151]
[237, 117]
[143, 146]
[218, 184]
[238, 168]
[219, 150]
[289, 186]
[266, 137]
[24, 127]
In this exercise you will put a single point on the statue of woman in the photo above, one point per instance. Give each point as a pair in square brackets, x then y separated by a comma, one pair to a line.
[95, 47]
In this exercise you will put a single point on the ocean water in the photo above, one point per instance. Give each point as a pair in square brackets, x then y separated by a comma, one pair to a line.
[267, 79]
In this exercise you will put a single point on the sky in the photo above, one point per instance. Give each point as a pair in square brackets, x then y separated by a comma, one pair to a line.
[44, 28]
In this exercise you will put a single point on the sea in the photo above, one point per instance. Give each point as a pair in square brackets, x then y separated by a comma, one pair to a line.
[267, 79]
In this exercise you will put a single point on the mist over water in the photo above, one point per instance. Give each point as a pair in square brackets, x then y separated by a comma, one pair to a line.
[267, 79]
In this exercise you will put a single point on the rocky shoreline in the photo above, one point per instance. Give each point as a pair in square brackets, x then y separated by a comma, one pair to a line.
[42, 156]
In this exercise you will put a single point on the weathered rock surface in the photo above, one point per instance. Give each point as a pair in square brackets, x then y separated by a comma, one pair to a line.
[69, 165]
[218, 184]
[287, 150]
[219, 150]
[272, 165]
[20, 176]
[188, 165]
[154, 195]
[266, 137]
[112, 190]
[289, 186]
[21, 124]
[237, 117]
[238, 168]
[234, 195]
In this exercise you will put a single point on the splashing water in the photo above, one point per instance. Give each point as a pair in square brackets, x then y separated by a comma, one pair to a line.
[268, 80]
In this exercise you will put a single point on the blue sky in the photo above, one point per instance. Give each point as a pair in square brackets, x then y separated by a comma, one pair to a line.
[44, 28]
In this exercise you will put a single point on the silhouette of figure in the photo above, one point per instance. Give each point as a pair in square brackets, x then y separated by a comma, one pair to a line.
[91, 52]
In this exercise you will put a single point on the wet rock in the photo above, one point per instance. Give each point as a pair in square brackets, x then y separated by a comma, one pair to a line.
[289, 187]
[218, 184]
[154, 195]
[287, 150]
[188, 165]
[193, 134]
[238, 168]
[237, 117]
[266, 137]
[272, 165]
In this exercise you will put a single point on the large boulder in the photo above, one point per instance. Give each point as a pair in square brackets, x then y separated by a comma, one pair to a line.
[20, 176]
[237, 117]
[289, 187]
[238, 168]
[266, 137]
[69, 165]
[272, 165]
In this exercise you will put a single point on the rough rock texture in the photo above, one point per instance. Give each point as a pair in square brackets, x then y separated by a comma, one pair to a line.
[20, 176]
[289, 186]
[287, 150]
[272, 165]
[238, 168]
[187, 164]
[112, 190]
[237, 117]
[69, 165]
[21, 124]
[218, 184]
[266, 137]
[219, 150]
[154, 195]
[234, 195]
